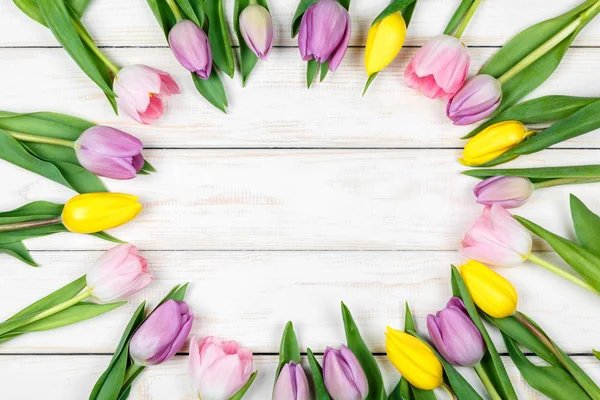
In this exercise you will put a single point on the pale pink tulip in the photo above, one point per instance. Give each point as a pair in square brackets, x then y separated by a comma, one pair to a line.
[475, 101]
[439, 68]
[218, 370]
[117, 274]
[191, 48]
[256, 26]
[141, 91]
[496, 238]
[291, 383]
[506, 191]
[343, 375]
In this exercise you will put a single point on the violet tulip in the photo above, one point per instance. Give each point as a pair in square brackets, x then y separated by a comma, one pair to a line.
[455, 336]
[291, 383]
[109, 152]
[324, 33]
[256, 27]
[476, 100]
[118, 273]
[218, 370]
[141, 92]
[343, 375]
[506, 191]
[496, 238]
[191, 48]
[439, 68]
[162, 334]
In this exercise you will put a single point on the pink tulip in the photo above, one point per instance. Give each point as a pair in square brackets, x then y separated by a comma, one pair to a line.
[476, 100]
[506, 191]
[109, 152]
[324, 33]
[117, 274]
[439, 68]
[218, 370]
[343, 375]
[141, 91]
[291, 383]
[191, 48]
[256, 26]
[496, 238]
[162, 334]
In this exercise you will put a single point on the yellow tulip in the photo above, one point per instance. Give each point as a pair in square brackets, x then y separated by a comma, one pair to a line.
[494, 294]
[493, 141]
[384, 42]
[96, 212]
[414, 359]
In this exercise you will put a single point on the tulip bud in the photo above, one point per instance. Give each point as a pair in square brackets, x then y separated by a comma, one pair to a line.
[162, 334]
[455, 336]
[291, 383]
[492, 293]
[96, 212]
[476, 100]
[256, 27]
[343, 375]
[439, 68]
[324, 33]
[117, 274]
[109, 152]
[141, 91]
[496, 238]
[493, 141]
[191, 48]
[384, 42]
[218, 370]
[506, 191]
[413, 359]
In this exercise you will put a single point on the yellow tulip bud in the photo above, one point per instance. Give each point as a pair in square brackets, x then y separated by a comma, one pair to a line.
[384, 42]
[96, 212]
[494, 294]
[493, 141]
[414, 359]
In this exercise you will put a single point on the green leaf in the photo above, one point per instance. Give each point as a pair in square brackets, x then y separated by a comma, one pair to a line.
[218, 35]
[596, 354]
[126, 388]
[247, 57]
[587, 225]
[31, 9]
[369, 81]
[212, 90]
[458, 16]
[192, 10]
[18, 251]
[240, 394]
[401, 391]
[345, 4]
[317, 373]
[54, 125]
[408, 11]
[289, 351]
[540, 174]
[31, 212]
[324, 70]
[297, 19]
[312, 67]
[364, 356]
[394, 7]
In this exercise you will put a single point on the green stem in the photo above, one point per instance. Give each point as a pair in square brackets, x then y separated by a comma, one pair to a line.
[467, 18]
[17, 226]
[175, 9]
[62, 306]
[485, 379]
[90, 42]
[563, 181]
[25, 137]
[550, 43]
[449, 390]
[133, 368]
[553, 268]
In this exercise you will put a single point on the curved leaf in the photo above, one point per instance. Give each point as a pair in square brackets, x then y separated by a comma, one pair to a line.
[18, 251]
[247, 57]
[240, 394]
[297, 19]
[457, 17]
[540, 174]
[394, 7]
[218, 35]
[587, 225]
[212, 90]
[31, 9]
[317, 373]
[288, 350]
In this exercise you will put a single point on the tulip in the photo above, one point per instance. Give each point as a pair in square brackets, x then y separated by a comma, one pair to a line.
[492, 293]
[256, 27]
[117, 274]
[384, 42]
[218, 370]
[162, 334]
[476, 100]
[455, 336]
[439, 68]
[191, 48]
[325, 33]
[109, 152]
[291, 383]
[96, 212]
[141, 91]
[493, 141]
[343, 375]
[413, 359]
[506, 191]
[496, 238]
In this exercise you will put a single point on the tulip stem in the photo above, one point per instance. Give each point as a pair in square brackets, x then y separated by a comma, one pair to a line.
[485, 379]
[175, 9]
[25, 137]
[553, 268]
[92, 46]
[18, 226]
[131, 371]
[467, 18]
[449, 390]
[563, 181]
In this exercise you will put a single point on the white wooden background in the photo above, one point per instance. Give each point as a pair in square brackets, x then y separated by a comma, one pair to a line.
[289, 204]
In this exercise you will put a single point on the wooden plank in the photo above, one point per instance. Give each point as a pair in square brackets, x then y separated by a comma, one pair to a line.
[251, 295]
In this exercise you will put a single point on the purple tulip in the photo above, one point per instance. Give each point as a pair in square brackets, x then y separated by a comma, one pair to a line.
[291, 383]
[191, 48]
[256, 27]
[476, 100]
[507, 191]
[343, 375]
[109, 152]
[162, 334]
[325, 33]
[455, 336]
